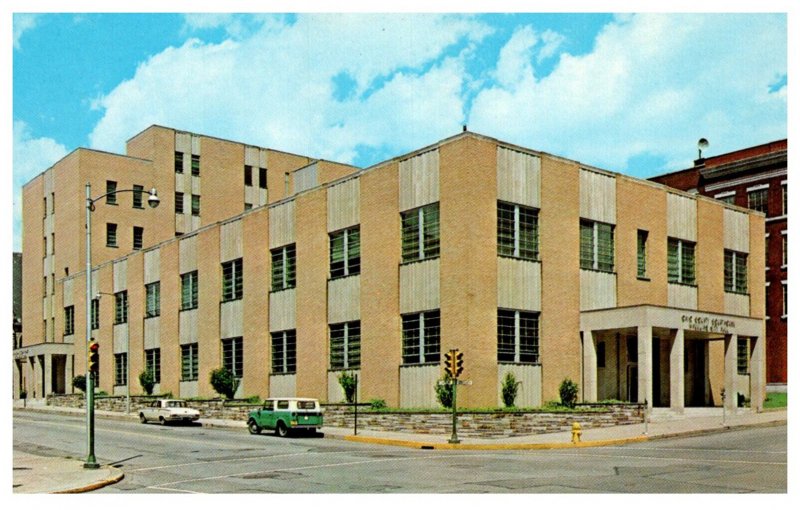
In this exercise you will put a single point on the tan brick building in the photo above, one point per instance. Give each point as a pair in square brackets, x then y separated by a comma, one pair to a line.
[527, 262]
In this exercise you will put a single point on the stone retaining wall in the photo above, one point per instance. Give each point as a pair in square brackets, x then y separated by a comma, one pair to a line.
[470, 424]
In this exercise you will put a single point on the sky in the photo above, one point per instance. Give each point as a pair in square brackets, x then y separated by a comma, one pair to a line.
[630, 93]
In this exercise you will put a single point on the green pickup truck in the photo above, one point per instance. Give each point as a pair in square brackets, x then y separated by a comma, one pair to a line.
[285, 414]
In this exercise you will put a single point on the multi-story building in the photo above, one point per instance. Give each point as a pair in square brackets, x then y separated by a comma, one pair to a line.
[527, 262]
[755, 178]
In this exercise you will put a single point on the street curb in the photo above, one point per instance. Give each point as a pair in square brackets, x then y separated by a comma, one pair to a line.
[504, 446]
[94, 486]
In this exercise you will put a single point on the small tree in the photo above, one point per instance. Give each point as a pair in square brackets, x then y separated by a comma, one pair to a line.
[79, 381]
[568, 392]
[348, 383]
[147, 380]
[444, 391]
[510, 387]
[223, 382]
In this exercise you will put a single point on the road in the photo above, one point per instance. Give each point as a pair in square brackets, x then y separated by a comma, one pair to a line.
[192, 459]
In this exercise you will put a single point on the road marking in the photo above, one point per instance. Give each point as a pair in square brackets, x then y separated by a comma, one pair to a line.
[681, 459]
[215, 461]
[692, 450]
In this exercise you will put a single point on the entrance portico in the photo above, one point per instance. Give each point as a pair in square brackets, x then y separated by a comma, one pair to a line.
[671, 357]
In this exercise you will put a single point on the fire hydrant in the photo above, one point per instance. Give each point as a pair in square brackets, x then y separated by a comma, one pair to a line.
[576, 432]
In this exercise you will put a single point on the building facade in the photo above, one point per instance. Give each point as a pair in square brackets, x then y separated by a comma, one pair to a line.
[755, 178]
[527, 262]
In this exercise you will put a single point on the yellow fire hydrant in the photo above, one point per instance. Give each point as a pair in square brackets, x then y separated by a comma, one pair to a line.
[576, 432]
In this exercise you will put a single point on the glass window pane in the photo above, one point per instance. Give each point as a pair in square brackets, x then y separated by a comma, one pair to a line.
[587, 245]
[353, 251]
[430, 215]
[673, 262]
[505, 229]
[410, 240]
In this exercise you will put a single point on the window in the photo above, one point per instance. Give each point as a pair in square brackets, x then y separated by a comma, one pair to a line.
[420, 233]
[178, 162]
[52, 243]
[730, 199]
[680, 261]
[69, 320]
[742, 356]
[96, 313]
[784, 251]
[345, 345]
[735, 272]
[44, 207]
[121, 307]
[345, 247]
[517, 231]
[641, 253]
[189, 283]
[195, 205]
[178, 202]
[189, 365]
[152, 293]
[784, 202]
[232, 280]
[248, 175]
[597, 246]
[111, 197]
[195, 164]
[284, 352]
[120, 369]
[262, 178]
[517, 336]
[152, 363]
[283, 267]
[247, 206]
[137, 196]
[421, 342]
[232, 356]
[111, 235]
[757, 199]
[44, 247]
[138, 237]
[601, 355]
[53, 203]
[785, 300]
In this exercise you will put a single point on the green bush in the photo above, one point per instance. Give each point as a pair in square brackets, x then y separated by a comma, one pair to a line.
[348, 383]
[376, 404]
[444, 391]
[148, 381]
[23, 394]
[223, 382]
[79, 381]
[509, 390]
[568, 391]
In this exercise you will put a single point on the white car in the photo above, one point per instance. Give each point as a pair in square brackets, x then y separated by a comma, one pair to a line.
[169, 410]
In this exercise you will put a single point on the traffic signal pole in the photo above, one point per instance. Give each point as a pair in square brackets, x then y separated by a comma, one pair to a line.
[91, 461]
[454, 436]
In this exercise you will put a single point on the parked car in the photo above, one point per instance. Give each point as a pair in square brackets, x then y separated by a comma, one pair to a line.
[169, 410]
[285, 414]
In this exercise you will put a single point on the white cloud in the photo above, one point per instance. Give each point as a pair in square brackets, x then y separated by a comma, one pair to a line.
[23, 23]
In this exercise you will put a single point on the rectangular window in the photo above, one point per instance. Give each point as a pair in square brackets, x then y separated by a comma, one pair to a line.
[44, 207]
[69, 320]
[784, 250]
[597, 246]
[284, 352]
[121, 307]
[178, 162]
[517, 336]
[421, 337]
[785, 300]
[680, 261]
[784, 202]
[195, 205]
[757, 200]
[345, 252]
[189, 285]
[138, 238]
[283, 267]
[189, 365]
[232, 280]
[262, 178]
[152, 363]
[742, 356]
[248, 175]
[233, 356]
[96, 313]
[735, 272]
[247, 206]
[120, 369]
[517, 231]
[137, 196]
[178, 202]
[420, 233]
[111, 235]
[195, 164]
[730, 199]
[52, 243]
[641, 253]
[345, 345]
[111, 197]
[152, 293]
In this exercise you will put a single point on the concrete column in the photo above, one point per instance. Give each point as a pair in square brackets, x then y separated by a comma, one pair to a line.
[47, 373]
[589, 368]
[645, 365]
[730, 372]
[676, 379]
[68, 375]
[758, 380]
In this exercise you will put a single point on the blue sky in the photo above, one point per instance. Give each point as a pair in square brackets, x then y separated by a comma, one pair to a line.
[630, 93]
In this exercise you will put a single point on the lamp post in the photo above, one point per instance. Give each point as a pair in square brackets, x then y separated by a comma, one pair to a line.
[152, 201]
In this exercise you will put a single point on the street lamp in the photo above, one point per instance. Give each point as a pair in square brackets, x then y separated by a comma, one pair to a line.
[152, 201]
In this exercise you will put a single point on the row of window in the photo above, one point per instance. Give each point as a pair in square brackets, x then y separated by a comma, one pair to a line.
[111, 236]
[195, 166]
[180, 205]
[758, 199]
[262, 176]
[138, 194]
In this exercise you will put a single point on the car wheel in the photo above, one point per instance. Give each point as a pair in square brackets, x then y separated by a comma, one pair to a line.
[142, 418]
[282, 430]
[253, 427]
[161, 420]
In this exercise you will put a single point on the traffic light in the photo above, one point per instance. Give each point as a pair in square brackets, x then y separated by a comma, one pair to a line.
[448, 363]
[94, 357]
[458, 365]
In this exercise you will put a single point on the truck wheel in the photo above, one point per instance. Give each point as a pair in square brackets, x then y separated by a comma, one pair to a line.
[281, 429]
[253, 427]
[161, 420]
[142, 418]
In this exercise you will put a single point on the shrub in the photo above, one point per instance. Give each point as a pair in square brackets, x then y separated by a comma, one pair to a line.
[444, 391]
[79, 381]
[23, 394]
[377, 404]
[568, 392]
[147, 380]
[348, 382]
[223, 382]
[509, 390]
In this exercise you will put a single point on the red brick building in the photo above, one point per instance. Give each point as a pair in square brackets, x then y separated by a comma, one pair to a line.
[756, 178]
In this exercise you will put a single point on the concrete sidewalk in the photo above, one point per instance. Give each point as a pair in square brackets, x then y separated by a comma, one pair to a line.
[35, 474]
